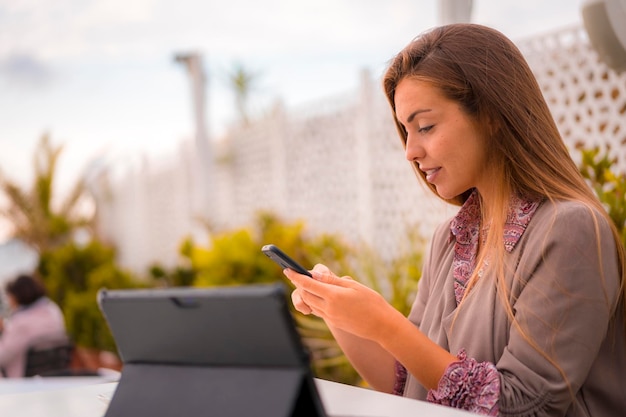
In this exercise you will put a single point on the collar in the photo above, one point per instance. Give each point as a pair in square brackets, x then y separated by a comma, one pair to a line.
[465, 226]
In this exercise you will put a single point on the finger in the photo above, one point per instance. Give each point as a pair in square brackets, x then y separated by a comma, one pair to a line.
[299, 304]
[311, 296]
[319, 285]
[313, 302]
[296, 278]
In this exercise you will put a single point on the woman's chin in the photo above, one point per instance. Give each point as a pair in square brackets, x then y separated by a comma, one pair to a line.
[443, 193]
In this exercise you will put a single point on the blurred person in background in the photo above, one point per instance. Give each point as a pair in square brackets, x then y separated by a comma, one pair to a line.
[33, 317]
[520, 308]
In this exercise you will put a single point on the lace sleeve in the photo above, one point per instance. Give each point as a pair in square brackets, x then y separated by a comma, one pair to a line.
[470, 386]
[398, 386]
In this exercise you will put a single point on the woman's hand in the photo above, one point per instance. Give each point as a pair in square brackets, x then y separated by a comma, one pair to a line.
[343, 303]
[357, 310]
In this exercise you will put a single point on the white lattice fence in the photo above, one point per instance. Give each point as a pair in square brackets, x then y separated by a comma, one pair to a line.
[587, 99]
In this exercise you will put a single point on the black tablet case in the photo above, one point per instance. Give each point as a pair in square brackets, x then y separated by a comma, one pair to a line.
[228, 351]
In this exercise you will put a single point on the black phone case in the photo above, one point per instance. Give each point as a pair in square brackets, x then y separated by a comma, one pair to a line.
[284, 260]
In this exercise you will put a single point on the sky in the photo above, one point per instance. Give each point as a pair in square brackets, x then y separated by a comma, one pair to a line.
[99, 76]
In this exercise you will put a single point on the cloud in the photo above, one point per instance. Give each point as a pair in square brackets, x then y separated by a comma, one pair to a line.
[24, 70]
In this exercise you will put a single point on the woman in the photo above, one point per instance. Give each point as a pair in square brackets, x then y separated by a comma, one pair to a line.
[33, 318]
[520, 308]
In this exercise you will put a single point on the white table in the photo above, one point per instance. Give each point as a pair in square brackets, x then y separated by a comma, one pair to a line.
[23, 385]
[89, 398]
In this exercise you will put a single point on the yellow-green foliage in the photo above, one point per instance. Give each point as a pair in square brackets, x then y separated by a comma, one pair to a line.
[232, 259]
[609, 186]
[235, 257]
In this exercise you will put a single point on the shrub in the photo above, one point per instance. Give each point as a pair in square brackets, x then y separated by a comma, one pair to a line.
[73, 274]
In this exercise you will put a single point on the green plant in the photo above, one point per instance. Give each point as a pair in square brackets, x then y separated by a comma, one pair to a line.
[609, 186]
[73, 275]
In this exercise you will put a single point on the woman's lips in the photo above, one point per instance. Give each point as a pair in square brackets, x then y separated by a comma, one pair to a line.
[431, 173]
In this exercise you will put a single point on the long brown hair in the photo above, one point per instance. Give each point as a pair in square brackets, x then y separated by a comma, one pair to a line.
[483, 71]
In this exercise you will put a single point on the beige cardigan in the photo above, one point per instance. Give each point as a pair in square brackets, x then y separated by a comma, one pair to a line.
[562, 302]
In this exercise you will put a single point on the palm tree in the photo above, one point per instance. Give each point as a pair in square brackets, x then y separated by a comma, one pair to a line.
[30, 211]
[242, 82]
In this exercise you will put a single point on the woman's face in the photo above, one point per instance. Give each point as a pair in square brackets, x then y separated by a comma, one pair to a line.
[441, 138]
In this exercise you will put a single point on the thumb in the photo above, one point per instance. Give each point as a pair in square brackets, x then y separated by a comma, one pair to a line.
[321, 268]
[323, 274]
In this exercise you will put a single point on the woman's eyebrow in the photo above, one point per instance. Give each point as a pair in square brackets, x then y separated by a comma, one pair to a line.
[415, 113]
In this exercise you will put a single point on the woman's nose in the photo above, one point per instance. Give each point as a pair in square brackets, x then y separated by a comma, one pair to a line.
[413, 149]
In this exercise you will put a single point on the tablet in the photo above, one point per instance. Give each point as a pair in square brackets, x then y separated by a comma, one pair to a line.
[227, 351]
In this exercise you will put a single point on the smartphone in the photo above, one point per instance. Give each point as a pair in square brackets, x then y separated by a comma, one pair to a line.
[284, 260]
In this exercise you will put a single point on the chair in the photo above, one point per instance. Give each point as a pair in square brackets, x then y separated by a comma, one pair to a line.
[49, 357]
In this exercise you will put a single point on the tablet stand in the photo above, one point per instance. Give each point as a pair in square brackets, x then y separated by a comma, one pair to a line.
[164, 390]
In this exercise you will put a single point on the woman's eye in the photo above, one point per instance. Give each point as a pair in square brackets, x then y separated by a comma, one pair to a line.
[425, 129]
